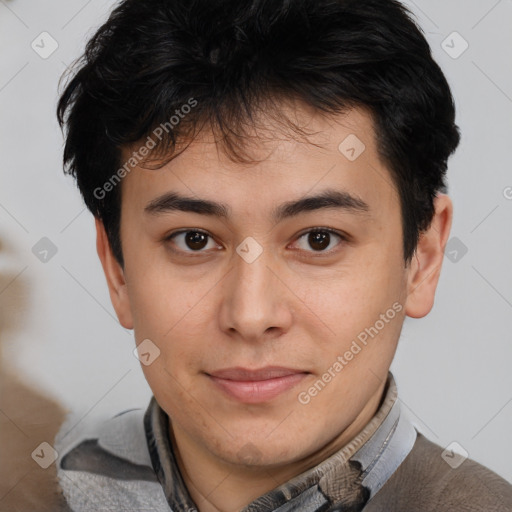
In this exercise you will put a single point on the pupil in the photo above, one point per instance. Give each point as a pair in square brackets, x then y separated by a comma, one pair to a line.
[196, 240]
[319, 240]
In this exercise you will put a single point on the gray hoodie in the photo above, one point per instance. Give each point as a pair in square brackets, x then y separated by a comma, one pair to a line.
[126, 463]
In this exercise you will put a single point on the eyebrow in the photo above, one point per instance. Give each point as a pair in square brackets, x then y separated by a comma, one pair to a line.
[330, 198]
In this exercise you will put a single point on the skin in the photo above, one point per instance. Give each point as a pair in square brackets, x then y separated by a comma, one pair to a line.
[293, 306]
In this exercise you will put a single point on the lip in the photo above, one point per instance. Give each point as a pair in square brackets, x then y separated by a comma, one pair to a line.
[256, 386]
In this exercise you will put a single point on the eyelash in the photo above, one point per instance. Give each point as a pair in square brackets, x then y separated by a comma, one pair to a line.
[343, 238]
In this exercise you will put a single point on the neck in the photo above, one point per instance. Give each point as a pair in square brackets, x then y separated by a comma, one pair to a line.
[218, 486]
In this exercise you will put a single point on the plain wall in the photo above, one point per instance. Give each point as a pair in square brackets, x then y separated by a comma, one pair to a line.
[58, 330]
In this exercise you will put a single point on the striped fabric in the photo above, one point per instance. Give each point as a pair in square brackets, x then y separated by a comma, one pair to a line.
[126, 463]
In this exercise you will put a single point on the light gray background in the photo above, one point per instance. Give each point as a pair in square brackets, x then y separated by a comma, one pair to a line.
[58, 328]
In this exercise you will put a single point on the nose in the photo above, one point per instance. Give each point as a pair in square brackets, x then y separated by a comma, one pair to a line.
[256, 303]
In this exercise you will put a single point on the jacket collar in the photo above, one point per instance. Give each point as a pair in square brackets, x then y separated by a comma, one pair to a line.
[346, 480]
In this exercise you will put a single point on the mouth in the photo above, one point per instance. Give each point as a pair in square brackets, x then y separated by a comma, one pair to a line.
[256, 386]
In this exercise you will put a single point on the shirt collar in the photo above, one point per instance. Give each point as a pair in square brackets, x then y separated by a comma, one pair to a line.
[346, 480]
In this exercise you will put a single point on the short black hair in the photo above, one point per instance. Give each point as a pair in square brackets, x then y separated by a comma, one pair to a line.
[179, 64]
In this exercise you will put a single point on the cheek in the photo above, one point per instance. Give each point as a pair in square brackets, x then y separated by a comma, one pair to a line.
[354, 300]
[160, 300]
[174, 392]
[361, 316]
[174, 316]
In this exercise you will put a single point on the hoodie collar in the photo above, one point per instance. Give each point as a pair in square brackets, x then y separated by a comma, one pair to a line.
[345, 481]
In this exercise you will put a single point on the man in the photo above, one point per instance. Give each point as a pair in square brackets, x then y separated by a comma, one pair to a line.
[268, 182]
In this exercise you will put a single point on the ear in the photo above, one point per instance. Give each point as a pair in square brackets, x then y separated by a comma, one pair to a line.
[115, 277]
[425, 267]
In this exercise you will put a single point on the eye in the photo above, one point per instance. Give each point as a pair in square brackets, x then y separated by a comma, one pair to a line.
[191, 240]
[321, 240]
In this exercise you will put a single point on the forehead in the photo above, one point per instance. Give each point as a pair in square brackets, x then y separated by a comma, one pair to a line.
[340, 153]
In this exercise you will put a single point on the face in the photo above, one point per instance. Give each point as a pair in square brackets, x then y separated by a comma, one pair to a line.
[276, 318]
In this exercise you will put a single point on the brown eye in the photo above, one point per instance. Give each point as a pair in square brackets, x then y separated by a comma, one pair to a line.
[191, 241]
[196, 240]
[319, 240]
